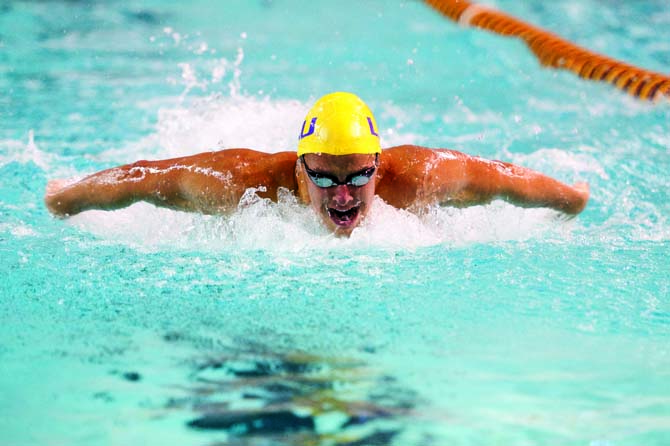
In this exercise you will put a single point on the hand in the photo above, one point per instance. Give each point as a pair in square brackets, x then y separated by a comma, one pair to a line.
[582, 189]
[53, 196]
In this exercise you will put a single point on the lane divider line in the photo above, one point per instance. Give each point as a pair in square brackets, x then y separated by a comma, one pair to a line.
[555, 52]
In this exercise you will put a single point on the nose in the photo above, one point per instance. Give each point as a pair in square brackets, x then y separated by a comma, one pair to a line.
[342, 196]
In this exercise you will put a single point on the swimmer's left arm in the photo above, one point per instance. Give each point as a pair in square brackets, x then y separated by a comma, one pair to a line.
[468, 180]
[525, 187]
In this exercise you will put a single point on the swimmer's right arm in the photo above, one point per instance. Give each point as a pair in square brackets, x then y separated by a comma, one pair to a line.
[113, 189]
[211, 182]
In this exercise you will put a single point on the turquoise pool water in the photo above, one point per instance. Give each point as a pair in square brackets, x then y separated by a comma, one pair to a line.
[492, 325]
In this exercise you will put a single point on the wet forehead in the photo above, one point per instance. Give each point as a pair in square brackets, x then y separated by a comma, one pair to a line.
[340, 165]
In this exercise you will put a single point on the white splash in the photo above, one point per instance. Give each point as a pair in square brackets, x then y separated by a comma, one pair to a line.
[555, 159]
[270, 126]
[257, 224]
[25, 152]
[23, 231]
[287, 226]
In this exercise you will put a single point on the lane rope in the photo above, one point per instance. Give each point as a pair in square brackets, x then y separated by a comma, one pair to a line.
[555, 52]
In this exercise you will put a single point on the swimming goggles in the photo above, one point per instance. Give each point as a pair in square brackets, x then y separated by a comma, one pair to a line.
[357, 179]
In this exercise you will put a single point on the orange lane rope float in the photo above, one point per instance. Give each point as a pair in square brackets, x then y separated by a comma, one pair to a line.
[556, 52]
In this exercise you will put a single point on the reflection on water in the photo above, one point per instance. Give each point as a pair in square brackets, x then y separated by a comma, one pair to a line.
[254, 396]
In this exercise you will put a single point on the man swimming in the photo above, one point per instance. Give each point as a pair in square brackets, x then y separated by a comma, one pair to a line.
[338, 169]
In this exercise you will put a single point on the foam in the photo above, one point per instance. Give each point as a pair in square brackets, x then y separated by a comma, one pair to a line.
[25, 152]
[23, 231]
[287, 226]
[557, 160]
[635, 219]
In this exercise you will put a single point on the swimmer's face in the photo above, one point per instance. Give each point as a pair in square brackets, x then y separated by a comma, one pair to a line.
[344, 204]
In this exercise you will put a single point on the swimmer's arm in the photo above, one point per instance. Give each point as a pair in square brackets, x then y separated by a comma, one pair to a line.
[156, 182]
[472, 180]
[211, 183]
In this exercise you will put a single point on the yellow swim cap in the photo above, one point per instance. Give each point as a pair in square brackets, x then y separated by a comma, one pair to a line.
[339, 124]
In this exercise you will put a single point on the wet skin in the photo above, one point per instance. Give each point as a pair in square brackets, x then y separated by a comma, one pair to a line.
[408, 177]
[343, 206]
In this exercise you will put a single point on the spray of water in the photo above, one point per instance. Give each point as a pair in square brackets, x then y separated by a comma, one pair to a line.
[218, 121]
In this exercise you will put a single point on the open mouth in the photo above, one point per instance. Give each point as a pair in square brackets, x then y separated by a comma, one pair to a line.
[344, 218]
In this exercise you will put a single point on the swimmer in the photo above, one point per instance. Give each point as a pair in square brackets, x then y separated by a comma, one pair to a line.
[338, 169]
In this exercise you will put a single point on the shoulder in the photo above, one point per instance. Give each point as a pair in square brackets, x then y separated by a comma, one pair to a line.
[406, 151]
[251, 155]
[402, 172]
[400, 158]
[407, 158]
[413, 176]
[247, 160]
